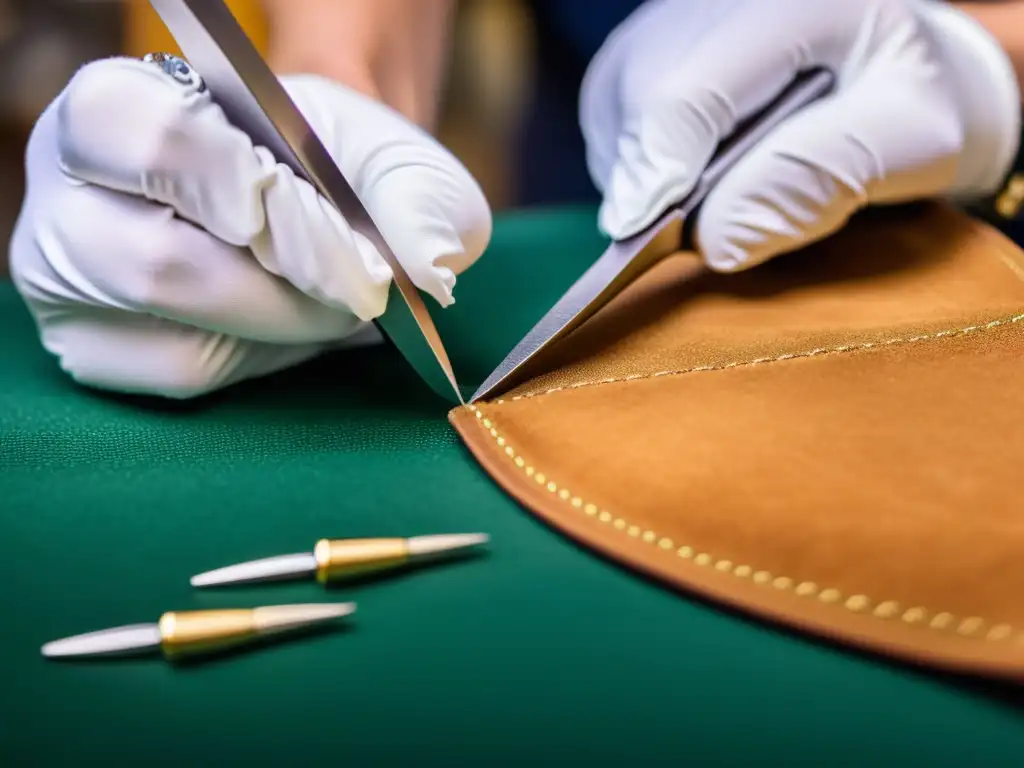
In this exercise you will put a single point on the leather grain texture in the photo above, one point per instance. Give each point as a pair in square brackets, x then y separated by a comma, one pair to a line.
[832, 441]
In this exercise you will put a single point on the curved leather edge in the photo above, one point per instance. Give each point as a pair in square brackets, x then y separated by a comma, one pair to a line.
[946, 651]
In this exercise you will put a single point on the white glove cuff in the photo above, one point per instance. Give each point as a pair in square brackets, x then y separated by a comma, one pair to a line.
[988, 94]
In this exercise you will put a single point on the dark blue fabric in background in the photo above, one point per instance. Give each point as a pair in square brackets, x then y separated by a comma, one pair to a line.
[551, 166]
[586, 23]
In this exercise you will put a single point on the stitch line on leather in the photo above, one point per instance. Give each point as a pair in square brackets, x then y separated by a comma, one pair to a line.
[818, 352]
[967, 626]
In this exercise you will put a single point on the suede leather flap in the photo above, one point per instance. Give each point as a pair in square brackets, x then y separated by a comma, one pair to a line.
[833, 441]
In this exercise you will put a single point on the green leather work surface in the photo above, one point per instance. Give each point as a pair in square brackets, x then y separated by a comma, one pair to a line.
[538, 651]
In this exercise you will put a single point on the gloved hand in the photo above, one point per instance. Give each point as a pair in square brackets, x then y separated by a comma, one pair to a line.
[160, 252]
[926, 105]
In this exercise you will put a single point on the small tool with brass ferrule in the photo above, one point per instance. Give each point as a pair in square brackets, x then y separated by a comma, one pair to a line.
[335, 559]
[189, 633]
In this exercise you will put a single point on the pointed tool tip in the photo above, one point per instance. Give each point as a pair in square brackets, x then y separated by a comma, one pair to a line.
[266, 569]
[203, 579]
[331, 610]
[51, 649]
[343, 609]
[114, 641]
[218, 577]
[439, 544]
[473, 539]
[478, 395]
[56, 649]
[279, 618]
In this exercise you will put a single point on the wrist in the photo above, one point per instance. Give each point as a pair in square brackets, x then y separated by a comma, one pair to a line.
[351, 71]
[987, 92]
[355, 73]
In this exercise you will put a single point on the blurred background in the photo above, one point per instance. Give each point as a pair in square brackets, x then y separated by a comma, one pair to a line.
[490, 84]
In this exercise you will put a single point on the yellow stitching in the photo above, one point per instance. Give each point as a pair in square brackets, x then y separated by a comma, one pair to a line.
[818, 352]
[968, 626]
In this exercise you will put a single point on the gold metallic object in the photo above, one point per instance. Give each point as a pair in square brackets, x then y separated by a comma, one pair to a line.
[1011, 199]
[341, 558]
[334, 559]
[625, 260]
[189, 633]
[184, 633]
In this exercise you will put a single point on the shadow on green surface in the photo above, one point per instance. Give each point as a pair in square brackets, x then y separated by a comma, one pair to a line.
[309, 636]
[319, 386]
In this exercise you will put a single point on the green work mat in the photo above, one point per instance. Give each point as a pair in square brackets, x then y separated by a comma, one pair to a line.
[537, 652]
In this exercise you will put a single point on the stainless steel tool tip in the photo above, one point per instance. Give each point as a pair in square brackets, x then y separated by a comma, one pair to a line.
[425, 547]
[264, 569]
[118, 640]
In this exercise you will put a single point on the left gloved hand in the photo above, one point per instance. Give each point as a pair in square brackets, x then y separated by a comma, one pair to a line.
[161, 252]
[926, 105]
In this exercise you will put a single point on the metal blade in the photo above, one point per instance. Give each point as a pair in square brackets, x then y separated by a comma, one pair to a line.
[254, 100]
[266, 569]
[616, 268]
[626, 260]
[133, 638]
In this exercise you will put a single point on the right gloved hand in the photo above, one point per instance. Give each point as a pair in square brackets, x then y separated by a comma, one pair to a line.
[926, 105]
[160, 252]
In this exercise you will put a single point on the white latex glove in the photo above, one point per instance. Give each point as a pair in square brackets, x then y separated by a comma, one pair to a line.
[926, 105]
[160, 252]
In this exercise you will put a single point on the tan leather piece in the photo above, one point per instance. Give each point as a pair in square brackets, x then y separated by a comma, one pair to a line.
[841, 455]
[899, 270]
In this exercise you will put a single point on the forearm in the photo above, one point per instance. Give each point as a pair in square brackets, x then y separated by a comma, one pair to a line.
[1004, 19]
[394, 50]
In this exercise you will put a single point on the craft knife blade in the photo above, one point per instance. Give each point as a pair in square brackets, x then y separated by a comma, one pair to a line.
[625, 260]
[254, 100]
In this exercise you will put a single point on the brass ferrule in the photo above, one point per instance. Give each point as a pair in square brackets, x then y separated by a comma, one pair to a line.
[341, 558]
[186, 633]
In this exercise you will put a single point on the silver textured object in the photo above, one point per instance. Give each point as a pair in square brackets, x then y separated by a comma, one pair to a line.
[129, 639]
[177, 68]
[624, 261]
